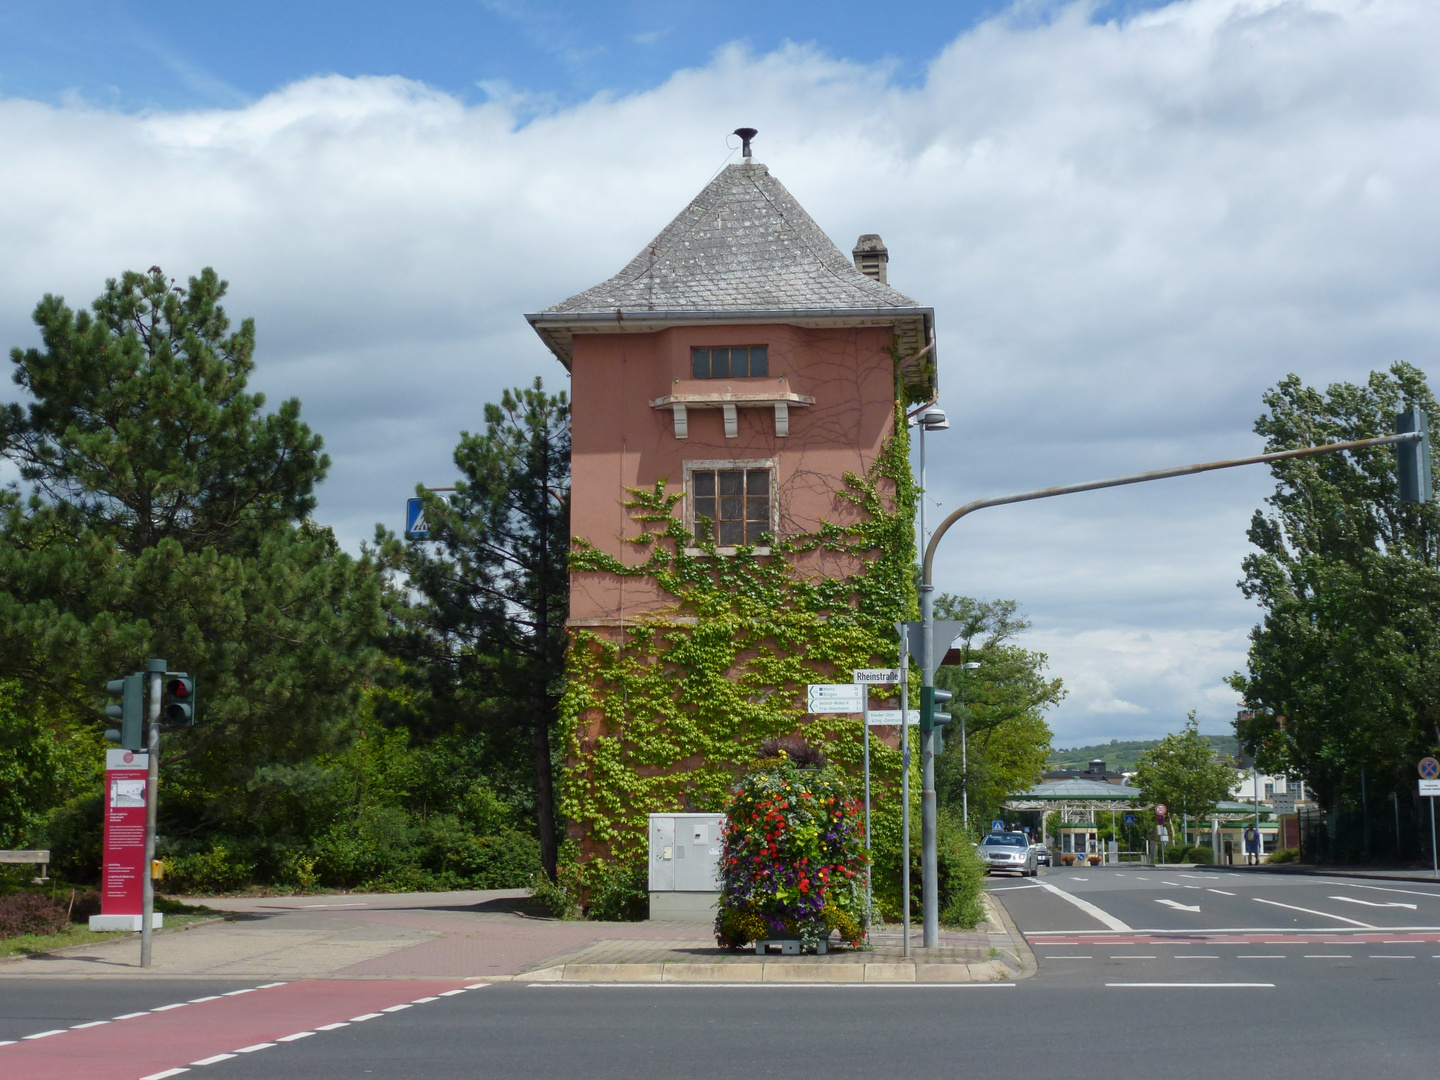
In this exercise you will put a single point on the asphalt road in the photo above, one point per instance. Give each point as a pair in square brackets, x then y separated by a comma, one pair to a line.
[1127, 986]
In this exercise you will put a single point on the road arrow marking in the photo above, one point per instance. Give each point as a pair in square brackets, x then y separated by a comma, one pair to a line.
[1312, 911]
[1372, 903]
[1179, 906]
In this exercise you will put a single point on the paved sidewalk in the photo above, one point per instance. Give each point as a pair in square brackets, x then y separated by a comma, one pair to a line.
[490, 935]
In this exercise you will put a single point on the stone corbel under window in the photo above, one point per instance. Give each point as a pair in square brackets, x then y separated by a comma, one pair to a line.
[730, 405]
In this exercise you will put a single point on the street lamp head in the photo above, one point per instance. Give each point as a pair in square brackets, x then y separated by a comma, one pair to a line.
[973, 665]
[934, 419]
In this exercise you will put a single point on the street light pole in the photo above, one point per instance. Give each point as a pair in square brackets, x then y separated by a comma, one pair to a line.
[929, 894]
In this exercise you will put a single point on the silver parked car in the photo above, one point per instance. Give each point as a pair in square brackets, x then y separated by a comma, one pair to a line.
[1042, 855]
[1011, 851]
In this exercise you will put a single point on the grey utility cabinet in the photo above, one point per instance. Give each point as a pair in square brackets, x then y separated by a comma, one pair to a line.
[685, 866]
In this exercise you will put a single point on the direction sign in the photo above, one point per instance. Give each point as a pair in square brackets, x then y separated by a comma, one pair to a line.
[416, 527]
[836, 698]
[891, 717]
[1429, 768]
[1160, 810]
[1283, 803]
[877, 676]
[1430, 787]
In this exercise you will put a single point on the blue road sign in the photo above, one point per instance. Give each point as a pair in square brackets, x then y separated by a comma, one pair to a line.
[416, 527]
[1129, 819]
[1429, 768]
[997, 826]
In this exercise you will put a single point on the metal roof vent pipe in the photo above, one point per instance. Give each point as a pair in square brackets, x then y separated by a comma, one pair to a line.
[871, 257]
[746, 134]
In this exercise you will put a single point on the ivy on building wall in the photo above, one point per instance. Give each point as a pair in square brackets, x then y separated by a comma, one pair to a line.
[668, 715]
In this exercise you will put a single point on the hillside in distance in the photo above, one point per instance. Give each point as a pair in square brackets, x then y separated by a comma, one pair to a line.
[1122, 756]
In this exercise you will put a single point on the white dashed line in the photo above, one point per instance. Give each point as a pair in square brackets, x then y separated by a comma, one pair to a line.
[1260, 956]
[44, 1034]
[1190, 985]
[1222, 892]
[422, 1001]
[1067, 958]
[237, 993]
[1389, 956]
[252, 1049]
[1327, 956]
[212, 997]
[270, 986]
[92, 1023]
[477, 986]
[367, 1016]
[452, 993]
[1132, 956]
[129, 1016]
[1195, 956]
[332, 1027]
[163, 1075]
[213, 1060]
[167, 1008]
[396, 1008]
[296, 1037]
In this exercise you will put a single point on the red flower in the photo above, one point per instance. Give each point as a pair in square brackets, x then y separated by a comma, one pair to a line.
[804, 885]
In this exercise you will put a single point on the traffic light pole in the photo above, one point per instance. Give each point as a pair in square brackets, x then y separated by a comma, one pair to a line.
[156, 670]
[1417, 481]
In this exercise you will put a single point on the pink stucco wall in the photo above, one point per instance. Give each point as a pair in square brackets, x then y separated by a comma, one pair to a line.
[620, 442]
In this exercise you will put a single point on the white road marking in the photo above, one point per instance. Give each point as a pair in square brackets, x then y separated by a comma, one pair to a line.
[1381, 888]
[477, 986]
[1222, 892]
[1195, 956]
[366, 1016]
[1389, 956]
[167, 1008]
[237, 993]
[1260, 956]
[252, 1049]
[1067, 957]
[1014, 888]
[129, 1016]
[212, 997]
[1132, 956]
[269, 986]
[1090, 909]
[1327, 956]
[1374, 903]
[452, 993]
[1179, 906]
[1322, 914]
[1194, 985]
[44, 1034]
[332, 1027]
[1079, 879]
[165, 1074]
[296, 1037]
[396, 1008]
[213, 1060]
[92, 1023]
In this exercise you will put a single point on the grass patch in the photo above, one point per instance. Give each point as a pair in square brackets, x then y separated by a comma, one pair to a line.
[177, 917]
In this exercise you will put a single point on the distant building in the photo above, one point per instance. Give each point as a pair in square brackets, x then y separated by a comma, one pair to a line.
[1096, 770]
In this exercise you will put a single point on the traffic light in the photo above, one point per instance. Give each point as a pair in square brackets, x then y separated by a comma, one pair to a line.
[1413, 458]
[177, 709]
[130, 712]
[930, 718]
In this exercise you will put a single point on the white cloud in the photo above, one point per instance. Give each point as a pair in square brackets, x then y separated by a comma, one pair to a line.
[1128, 231]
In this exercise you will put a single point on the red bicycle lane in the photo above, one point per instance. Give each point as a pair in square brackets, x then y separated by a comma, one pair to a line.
[185, 1036]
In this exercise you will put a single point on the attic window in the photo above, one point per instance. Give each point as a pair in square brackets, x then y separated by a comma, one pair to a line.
[737, 362]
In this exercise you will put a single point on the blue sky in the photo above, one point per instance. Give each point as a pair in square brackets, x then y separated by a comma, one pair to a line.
[1129, 229]
[168, 55]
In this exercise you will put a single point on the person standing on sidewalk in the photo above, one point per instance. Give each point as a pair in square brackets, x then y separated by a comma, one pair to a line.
[1252, 846]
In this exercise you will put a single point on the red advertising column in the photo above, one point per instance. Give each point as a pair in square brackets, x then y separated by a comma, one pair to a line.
[121, 882]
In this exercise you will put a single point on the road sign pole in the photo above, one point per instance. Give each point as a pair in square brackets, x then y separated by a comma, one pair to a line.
[156, 668]
[1434, 855]
[865, 719]
[900, 629]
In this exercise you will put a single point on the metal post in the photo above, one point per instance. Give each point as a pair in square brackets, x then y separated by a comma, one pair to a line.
[964, 769]
[1434, 853]
[865, 718]
[1364, 815]
[904, 781]
[1259, 844]
[156, 669]
[929, 885]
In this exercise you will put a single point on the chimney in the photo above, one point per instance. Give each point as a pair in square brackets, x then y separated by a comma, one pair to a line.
[871, 257]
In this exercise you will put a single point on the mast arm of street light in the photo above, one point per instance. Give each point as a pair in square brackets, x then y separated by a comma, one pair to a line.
[1140, 478]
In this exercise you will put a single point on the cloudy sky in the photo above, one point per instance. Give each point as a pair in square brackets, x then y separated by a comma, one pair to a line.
[1131, 219]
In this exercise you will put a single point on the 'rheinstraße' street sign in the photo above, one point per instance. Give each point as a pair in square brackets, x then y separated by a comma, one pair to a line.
[877, 676]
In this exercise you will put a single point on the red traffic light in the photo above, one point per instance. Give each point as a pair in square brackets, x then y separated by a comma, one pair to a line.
[178, 688]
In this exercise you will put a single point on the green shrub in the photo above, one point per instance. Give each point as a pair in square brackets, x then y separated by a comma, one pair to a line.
[560, 897]
[31, 913]
[1285, 855]
[959, 872]
[1202, 853]
[616, 892]
[223, 867]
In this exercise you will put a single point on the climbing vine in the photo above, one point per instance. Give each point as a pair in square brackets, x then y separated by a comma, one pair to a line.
[668, 715]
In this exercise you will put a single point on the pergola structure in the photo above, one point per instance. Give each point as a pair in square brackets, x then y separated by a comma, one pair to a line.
[1076, 800]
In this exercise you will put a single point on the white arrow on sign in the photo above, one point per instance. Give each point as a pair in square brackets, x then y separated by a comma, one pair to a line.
[1179, 906]
[1372, 903]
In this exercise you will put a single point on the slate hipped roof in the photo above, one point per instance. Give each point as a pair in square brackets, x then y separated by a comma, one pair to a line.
[743, 251]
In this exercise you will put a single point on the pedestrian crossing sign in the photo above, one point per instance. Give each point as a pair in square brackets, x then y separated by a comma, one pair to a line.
[416, 527]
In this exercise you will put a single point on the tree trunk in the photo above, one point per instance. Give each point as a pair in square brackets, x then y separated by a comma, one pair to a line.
[544, 789]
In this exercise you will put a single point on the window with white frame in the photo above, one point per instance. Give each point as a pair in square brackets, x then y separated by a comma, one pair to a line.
[731, 503]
